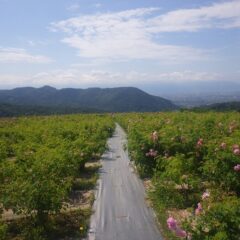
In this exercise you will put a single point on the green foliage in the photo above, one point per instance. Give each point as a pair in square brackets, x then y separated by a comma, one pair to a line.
[40, 159]
[194, 154]
[220, 220]
[3, 231]
[34, 233]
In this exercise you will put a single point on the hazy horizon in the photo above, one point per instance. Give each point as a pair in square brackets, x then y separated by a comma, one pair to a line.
[165, 89]
[157, 46]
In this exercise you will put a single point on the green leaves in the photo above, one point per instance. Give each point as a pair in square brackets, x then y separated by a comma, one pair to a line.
[41, 156]
[195, 153]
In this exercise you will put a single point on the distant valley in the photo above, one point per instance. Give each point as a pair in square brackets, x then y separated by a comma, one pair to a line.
[197, 99]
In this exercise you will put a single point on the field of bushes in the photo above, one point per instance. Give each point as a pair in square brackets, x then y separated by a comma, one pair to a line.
[42, 166]
[190, 163]
[193, 163]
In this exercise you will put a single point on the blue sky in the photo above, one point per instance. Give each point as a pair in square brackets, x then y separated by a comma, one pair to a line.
[85, 43]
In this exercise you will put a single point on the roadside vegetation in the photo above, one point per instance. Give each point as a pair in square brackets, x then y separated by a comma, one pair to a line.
[48, 169]
[192, 162]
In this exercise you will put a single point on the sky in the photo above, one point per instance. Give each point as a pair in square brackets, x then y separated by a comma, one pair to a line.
[90, 43]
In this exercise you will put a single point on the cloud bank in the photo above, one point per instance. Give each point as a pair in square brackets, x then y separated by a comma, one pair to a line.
[16, 55]
[76, 78]
[131, 34]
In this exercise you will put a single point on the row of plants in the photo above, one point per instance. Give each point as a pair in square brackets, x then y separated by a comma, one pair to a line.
[193, 161]
[40, 159]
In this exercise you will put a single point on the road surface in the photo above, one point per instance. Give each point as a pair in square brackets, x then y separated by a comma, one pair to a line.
[120, 210]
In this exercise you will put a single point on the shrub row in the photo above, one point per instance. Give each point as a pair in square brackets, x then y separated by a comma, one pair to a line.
[193, 160]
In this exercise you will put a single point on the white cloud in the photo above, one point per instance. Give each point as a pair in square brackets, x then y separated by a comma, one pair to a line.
[76, 78]
[14, 55]
[125, 47]
[131, 34]
[219, 15]
[12, 80]
[189, 76]
[120, 36]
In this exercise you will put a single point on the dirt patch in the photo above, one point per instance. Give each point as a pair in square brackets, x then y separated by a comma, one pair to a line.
[80, 199]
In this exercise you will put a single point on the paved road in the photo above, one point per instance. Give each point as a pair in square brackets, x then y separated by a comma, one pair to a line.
[120, 210]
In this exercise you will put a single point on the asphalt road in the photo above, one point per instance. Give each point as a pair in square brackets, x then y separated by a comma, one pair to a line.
[120, 209]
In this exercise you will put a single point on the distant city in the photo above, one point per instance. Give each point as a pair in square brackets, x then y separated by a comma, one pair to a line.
[197, 93]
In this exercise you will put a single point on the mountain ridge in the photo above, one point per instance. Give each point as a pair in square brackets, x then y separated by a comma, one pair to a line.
[121, 99]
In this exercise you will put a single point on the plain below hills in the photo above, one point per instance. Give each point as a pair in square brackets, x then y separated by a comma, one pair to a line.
[48, 100]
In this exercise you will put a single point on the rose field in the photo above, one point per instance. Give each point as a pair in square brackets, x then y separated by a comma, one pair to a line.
[191, 163]
[43, 165]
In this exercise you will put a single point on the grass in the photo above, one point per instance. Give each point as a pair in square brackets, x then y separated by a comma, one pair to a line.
[85, 184]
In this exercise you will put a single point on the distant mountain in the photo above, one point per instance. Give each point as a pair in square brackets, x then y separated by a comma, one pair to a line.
[48, 99]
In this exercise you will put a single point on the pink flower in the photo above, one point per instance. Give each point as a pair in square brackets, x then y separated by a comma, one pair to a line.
[199, 209]
[199, 205]
[205, 195]
[200, 142]
[237, 168]
[172, 223]
[180, 233]
[197, 212]
[151, 153]
[236, 151]
[223, 145]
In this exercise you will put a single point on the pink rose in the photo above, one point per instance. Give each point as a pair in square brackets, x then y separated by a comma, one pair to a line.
[199, 209]
[237, 168]
[180, 233]
[205, 195]
[200, 142]
[236, 151]
[172, 223]
[151, 153]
